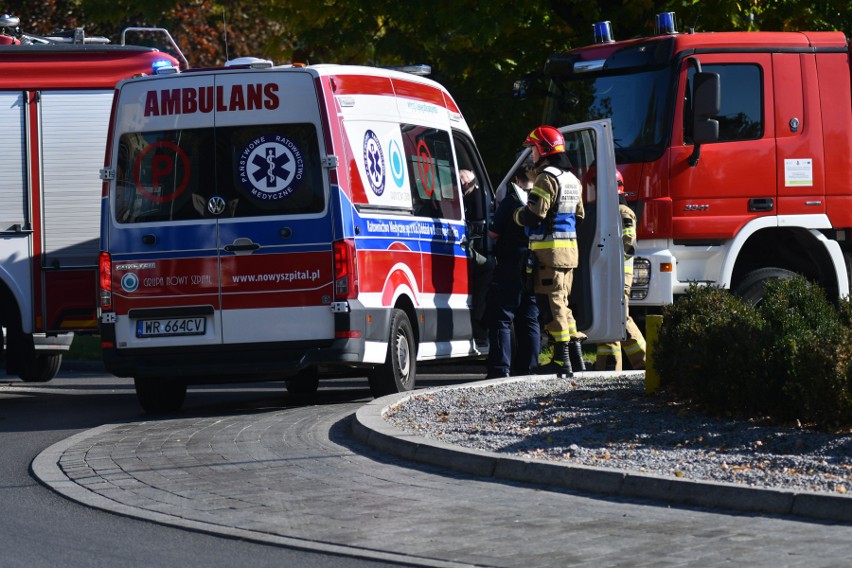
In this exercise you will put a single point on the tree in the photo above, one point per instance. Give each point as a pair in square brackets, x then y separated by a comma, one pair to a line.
[476, 49]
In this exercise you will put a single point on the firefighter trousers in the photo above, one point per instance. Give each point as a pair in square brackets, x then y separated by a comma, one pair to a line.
[555, 284]
[608, 356]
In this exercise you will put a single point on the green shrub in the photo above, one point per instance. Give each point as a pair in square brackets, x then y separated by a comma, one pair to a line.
[809, 356]
[789, 358]
[706, 347]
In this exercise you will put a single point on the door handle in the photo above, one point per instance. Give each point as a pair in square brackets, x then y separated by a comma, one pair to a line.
[760, 204]
[242, 245]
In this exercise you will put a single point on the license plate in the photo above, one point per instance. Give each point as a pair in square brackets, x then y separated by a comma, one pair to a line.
[171, 327]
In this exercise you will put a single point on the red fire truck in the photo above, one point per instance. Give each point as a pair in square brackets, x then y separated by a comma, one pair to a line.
[736, 151]
[55, 99]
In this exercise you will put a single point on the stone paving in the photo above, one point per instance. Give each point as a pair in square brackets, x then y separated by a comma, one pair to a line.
[297, 477]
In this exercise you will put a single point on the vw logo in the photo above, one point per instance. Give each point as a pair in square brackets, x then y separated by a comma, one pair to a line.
[216, 205]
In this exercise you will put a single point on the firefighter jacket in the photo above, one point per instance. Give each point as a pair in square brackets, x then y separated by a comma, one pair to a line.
[628, 237]
[554, 206]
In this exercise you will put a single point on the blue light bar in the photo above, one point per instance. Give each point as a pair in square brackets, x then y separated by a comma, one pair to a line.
[163, 67]
[665, 23]
[603, 32]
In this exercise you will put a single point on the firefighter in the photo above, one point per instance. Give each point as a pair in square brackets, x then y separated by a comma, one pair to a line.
[551, 214]
[608, 357]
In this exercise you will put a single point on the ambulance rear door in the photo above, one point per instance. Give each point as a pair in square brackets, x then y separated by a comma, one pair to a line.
[275, 236]
[162, 239]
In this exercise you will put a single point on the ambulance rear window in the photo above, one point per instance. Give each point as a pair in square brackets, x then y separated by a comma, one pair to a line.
[257, 170]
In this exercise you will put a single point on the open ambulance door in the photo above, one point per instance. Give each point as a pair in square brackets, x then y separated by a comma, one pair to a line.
[597, 296]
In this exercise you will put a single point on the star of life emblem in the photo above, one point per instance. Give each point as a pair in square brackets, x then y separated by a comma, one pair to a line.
[271, 167]
[374, 162]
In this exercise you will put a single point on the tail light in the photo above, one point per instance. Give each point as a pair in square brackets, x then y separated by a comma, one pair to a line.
[345, 270]
[105, 282]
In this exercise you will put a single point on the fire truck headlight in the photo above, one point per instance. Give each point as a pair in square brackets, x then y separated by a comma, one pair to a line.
[641, 278]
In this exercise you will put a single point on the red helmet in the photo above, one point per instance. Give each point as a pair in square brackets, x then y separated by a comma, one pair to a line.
[547, 140]
[619, 181]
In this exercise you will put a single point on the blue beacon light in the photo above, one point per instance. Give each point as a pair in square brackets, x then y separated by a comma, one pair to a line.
[665, 23]
[603, 32]
[162, 66]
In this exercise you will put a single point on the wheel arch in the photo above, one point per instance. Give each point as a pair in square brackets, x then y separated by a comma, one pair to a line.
[406, 304]
[797, 249]
[11, 304]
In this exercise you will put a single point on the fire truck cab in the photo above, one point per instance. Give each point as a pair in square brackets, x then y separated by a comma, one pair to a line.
[294, 222]
[55, 98]
[735, 147]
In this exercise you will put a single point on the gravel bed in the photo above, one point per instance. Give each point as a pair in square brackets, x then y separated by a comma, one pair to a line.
[609, 421]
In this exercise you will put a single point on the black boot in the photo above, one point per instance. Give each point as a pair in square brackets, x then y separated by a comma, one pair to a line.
[575, 351]
[561, 363]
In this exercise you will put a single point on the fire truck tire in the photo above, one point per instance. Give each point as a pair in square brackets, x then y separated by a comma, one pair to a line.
[304, 383]
[751, 287]
[42, 368]
[398, 372]
[160, 396]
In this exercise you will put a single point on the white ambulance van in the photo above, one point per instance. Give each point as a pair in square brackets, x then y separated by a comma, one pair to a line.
[295, 222]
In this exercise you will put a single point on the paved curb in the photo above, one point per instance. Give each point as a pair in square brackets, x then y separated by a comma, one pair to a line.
[45, 467]
[370, 427]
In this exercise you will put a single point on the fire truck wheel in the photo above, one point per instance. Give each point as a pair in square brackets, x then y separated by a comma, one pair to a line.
[42, 369]
[304, 383]
[751, 287]
[398, 372]
[160, 396]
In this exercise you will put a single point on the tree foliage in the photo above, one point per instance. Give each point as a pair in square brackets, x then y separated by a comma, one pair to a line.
[476, 49]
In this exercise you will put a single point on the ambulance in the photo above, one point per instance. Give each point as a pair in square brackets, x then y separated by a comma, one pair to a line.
[265, 222]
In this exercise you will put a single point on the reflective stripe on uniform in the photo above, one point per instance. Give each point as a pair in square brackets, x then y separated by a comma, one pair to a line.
[634, 346]
[561, 244]
[561, 336]
[605, 349]
[540, 193]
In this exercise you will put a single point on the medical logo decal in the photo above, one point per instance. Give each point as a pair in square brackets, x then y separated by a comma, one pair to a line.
[397, 164]
[374, 162]
[271, 167]
[129, 282]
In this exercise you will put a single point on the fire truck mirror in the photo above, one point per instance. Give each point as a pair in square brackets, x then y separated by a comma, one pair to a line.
[706, 104]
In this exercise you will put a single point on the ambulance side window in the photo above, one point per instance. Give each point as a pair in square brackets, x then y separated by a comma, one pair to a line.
[474, 185]
[431, 169]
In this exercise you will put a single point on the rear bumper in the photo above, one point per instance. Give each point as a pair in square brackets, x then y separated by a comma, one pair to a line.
[233, 363]
[245, 362]
[53, 343]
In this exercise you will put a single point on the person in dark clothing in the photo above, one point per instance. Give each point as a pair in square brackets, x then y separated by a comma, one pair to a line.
[511, 301]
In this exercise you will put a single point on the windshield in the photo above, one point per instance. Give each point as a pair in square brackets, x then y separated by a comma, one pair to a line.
[637, 103]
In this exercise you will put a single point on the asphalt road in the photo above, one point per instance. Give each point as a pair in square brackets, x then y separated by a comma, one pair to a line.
[40, 528]
[317, 484]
